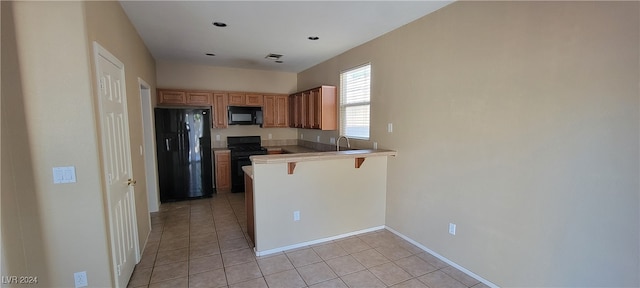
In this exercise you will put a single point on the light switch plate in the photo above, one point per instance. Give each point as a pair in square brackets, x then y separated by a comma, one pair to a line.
[63, 175]
[296, 215]
[452, 229]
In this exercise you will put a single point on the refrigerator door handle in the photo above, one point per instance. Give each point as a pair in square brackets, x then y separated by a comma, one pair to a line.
[167, 142]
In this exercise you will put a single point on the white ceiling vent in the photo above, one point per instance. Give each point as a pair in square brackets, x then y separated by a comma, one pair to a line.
[273, 56]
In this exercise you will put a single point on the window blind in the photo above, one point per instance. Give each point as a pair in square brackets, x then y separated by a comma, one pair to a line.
[355, 102]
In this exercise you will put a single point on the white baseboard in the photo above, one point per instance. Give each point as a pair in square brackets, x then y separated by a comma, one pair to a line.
[294, 246]
[485, 281]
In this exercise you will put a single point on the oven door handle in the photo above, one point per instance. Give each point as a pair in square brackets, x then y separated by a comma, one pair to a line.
[242, 158]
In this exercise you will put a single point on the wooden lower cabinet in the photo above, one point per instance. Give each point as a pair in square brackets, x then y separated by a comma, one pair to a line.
[222, 164]
[274, 152]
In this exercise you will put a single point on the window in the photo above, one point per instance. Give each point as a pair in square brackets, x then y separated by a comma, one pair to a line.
[355, 87]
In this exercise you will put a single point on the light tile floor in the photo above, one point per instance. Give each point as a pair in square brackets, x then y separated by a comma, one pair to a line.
[203, 243]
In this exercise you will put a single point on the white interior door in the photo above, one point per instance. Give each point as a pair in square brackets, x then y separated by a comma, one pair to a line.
[116, 157]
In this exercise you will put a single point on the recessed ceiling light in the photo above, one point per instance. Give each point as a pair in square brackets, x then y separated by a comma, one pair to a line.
[219, 24]
[313, 38]
[210, 54]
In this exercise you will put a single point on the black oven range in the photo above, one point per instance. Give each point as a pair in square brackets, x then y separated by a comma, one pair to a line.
[241, 148]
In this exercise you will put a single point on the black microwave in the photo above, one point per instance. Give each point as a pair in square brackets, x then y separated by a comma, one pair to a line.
[245, 115]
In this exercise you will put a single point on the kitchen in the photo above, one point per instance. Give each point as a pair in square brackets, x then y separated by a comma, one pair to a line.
[503, 115]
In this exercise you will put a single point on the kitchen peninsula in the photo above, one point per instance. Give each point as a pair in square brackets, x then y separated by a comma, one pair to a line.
[306, 198]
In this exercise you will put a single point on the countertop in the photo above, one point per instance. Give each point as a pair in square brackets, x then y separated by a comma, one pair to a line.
[293, 149]
[317, 156]
[248, 170]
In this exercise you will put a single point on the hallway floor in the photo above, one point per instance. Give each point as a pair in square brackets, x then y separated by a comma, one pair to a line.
[203, 243]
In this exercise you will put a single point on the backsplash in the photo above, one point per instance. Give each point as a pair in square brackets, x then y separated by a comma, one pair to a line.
[316, 145]
[280, 142]
[265, 143]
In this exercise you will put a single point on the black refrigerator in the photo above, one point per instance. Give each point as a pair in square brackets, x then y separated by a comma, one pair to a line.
[183, 139]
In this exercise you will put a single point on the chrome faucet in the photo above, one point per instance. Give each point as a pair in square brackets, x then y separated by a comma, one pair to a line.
[338, 142]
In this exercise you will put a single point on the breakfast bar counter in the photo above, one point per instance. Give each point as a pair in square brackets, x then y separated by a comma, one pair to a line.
[300, 199]
[320, 156]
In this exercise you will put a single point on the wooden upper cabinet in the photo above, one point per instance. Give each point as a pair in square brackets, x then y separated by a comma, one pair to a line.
[184, 97]
[254, 99]
[275, 111]
[172, 97]
[314, 109]
[236, 99]
[245, 99]
[315, 106]
[276, 108]
[220, 110]
[294, 110]
[199, 98]
[282, 111]
[312, 122]
[303, 110]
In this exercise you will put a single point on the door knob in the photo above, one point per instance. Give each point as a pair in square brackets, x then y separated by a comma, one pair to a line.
[131, 182]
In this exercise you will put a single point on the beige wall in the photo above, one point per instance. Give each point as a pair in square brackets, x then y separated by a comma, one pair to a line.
[519, 122]
[330, 202]
[110, 27]
[172, 74]
[60, 126]
[22, 242]
[53, 123]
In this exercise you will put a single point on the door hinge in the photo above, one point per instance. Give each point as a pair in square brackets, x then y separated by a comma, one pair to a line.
[118, 268]
[101, 83]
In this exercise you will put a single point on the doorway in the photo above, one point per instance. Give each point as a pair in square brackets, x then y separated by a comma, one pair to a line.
[148, 135]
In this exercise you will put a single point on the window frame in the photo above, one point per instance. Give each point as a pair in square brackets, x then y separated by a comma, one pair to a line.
[343, 107]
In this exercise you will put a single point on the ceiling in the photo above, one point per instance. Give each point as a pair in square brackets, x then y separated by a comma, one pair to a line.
[183, 30]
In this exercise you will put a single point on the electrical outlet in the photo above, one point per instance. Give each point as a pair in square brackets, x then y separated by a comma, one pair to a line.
[332, 140]
[81, 279]
[217, 137]
[375, 145]
[301, 136]
[270, 136]
[452, 229]
[317, 138]
[389, 127]
[296, 215]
